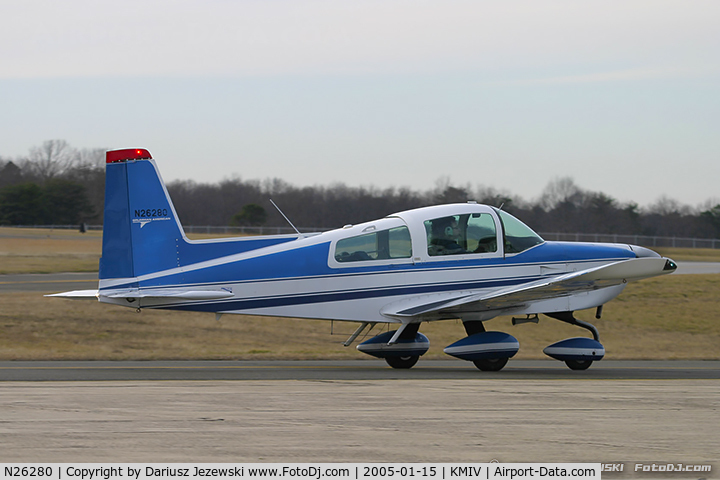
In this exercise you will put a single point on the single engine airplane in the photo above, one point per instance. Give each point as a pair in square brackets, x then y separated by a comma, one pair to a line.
[460, 261]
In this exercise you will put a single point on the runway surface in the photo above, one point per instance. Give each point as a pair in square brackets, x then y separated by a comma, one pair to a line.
[414, 420]
[697, 268]
[350, 370]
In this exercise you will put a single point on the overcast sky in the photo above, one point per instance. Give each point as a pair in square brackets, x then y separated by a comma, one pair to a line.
[622, 96]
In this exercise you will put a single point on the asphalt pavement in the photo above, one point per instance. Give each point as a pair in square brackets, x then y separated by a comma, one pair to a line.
[348, 370]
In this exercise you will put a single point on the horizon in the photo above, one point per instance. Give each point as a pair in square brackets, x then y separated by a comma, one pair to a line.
[441, 184]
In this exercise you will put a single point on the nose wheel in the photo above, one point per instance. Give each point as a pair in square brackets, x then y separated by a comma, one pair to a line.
[402, 362]
[491, 364]
[578, 353]
[578, 364]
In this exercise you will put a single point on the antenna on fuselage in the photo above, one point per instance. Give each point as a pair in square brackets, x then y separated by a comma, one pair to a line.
[285, 217]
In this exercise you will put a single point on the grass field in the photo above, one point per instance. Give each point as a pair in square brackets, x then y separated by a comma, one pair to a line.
[670, 317]
[30, 250]
[43, 250]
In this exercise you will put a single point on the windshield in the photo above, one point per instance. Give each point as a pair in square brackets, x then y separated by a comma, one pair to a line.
[518, 236]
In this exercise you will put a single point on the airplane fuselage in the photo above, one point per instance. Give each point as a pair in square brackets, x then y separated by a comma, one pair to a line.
[305, 277]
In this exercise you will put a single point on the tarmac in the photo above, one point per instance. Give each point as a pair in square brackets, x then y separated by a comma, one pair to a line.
[569, 417]
[361, 421]
[348, 370]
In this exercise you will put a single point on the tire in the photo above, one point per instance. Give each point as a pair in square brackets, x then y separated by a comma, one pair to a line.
[491, 364]
[578, 364]
[402, 362]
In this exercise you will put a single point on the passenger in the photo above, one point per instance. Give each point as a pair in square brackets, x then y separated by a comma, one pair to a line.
[444, 237]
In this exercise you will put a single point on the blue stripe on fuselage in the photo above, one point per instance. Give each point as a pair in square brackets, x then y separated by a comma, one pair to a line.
[296, 262]
[573, 251]
[199, 251]
[358, 294]
[305, 262]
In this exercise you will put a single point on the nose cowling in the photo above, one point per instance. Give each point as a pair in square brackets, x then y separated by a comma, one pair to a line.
[642, 252]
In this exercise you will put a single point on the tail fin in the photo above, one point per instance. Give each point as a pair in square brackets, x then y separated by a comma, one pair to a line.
[141, 230]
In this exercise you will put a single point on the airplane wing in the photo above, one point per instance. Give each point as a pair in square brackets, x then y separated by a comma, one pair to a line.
[517, 295]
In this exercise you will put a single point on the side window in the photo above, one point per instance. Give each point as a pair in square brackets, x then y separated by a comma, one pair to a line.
[444, 236]
[481, 233]
[382, 245]
[461, 234]
[399, 244]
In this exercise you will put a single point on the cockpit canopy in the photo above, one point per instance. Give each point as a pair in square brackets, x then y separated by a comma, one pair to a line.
[430, 233]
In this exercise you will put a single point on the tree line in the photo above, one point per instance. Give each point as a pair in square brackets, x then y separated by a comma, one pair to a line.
[58, 184]
[55, 184]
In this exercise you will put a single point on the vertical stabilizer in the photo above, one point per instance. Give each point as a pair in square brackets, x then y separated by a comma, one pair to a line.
[141, 230]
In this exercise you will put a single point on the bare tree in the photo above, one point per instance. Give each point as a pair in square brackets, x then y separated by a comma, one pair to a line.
[52, 159]
[495, 197]
[91, 157]
[668, 206]
[557, 191]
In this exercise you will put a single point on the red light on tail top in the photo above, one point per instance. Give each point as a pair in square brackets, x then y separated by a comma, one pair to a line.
[115, 156]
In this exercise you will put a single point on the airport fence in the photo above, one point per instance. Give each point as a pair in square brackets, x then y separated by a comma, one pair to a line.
[642, 240]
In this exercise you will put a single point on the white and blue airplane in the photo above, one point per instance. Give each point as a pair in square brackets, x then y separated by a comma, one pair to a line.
[460, 261]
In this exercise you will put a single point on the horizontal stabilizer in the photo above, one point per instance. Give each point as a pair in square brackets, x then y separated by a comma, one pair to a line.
[77, 294]
[165, 293]
[174, 293]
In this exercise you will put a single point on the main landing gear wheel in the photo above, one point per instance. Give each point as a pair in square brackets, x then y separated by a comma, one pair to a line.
[578, 364]
[491, 364]
[402, 362]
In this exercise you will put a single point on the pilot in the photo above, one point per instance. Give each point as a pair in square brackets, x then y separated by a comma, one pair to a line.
[444, 237]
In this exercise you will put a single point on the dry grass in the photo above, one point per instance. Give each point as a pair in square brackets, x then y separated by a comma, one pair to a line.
[48, 263]
[42, 250]
[39, 328]
[30, 250]
[673, 317]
